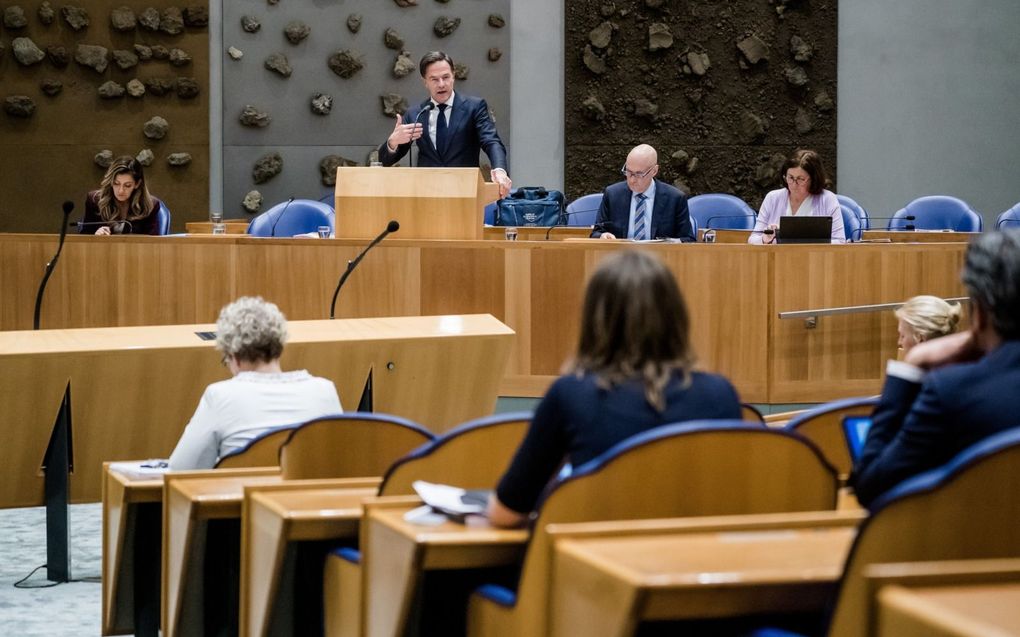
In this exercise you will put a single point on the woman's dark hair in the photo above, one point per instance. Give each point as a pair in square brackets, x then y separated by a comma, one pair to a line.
[634, 325]
[431, 58]
[141, 203]
[811, 163]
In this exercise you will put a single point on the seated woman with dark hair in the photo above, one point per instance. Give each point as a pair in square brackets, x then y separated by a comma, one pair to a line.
[123, 201]
[250, 333]
[633, 371]
[803, 194]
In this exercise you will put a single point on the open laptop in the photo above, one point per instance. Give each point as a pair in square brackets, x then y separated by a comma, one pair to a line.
[855, 429]
[808, 229]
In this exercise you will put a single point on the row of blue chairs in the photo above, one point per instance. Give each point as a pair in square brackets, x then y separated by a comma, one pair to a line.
[711, 210]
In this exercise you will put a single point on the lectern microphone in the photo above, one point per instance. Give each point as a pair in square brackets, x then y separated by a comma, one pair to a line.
[392, 226]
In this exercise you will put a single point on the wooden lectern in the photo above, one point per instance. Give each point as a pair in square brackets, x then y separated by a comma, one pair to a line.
[429, 203]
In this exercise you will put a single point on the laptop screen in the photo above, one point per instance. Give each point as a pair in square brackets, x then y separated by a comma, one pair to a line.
[855, 428]
[793, 229]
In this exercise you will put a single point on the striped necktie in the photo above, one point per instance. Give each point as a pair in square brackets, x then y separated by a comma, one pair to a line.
[640, 219]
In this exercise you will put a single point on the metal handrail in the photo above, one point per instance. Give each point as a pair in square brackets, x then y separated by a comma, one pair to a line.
[853, 309]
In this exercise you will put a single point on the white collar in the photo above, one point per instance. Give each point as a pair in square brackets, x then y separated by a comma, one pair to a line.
[449, 102]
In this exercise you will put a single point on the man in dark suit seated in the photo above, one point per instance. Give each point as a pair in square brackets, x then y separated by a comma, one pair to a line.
[953, 391]
[642, 207]
[449, 129]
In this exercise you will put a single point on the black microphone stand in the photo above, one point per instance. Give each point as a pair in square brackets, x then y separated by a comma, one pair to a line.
[410, 150]
[272, 231]
[392, 226]
[68, 207]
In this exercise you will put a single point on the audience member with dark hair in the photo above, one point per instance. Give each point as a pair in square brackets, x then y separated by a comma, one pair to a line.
[633, 370]
[123, 200]
[923, 318]
[803, 194]
[250, 333]
[951, 392]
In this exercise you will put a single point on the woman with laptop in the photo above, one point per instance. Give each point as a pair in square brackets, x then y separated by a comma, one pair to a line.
[803, 195]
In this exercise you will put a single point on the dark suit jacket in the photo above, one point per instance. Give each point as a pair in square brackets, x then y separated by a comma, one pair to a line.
[917, 427]
[670, 217]
[470, 130]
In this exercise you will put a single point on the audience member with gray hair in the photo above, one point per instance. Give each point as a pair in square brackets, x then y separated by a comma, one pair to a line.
[923, 318]
[250, 333]
[951, 392]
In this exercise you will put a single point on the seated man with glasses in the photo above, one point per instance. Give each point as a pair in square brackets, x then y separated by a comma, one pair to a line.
[260, 396]
[642, 207]
[803, 193]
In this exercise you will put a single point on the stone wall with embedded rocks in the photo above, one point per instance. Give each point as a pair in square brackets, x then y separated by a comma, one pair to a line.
[307, 86]
[87, 80]
[723, 90]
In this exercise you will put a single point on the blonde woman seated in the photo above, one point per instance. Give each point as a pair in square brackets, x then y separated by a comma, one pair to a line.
[250, 333]
[923, 318]
[633, 371]
[122, 205]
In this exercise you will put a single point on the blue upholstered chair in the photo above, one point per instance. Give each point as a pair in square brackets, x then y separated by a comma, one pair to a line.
[721, 210]
[937, 212]
[852, 227]
[489, 215]
[823, 426]
[1009, 218]
[163, 218]
[677, 470]
[351, 445]
[289, 218]
[965, 510]
[584, 210]
[859, 210]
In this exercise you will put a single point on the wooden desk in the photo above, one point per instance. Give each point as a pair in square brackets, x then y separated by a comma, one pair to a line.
[734, 292]
[133, 389]
[918, 236]
[274, 518]
[608, 585]
[189, 504]
[537, 233]
[971, 610]
[395, 555]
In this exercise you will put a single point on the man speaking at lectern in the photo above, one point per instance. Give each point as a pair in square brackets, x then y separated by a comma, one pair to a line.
[449, 128]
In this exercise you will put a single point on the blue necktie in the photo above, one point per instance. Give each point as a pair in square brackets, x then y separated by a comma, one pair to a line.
[441, 130]
[640, 223]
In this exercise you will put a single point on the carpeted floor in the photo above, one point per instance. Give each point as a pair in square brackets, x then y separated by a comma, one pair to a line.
[70, 609]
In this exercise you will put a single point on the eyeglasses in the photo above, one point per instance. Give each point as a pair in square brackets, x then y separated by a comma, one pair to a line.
[631, 174]
[796, 180]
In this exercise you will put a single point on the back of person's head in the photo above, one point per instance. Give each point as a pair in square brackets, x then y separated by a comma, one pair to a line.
[634, 325]
[251, 329]
[811, 163]
[991, 272]
[141, 202]
[929, 317]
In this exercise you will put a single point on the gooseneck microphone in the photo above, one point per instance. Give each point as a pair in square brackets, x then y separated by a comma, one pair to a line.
[68, 207]
[392, 226]
[410, 151]
[109, 224]
[272, 231]
[563, 217]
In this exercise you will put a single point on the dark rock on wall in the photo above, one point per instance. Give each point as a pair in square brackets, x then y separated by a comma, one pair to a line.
[110, 90]
[50, 86]
[392, 39]
[354, 22]
[156, 128]
[58, 56]
[171, 21]
[322, 104]
[26, 52]
[723, 90]
[179, 57]
[496, 21]
[252, 202]
[103, 158]
[345, 63]
[135, 88]
[46, 13]
[19, 106]
[445, 26]
[149, 19]
[145, 157]
[278, 63]
[123, 19]
[267, 167]
[125, 59]
[196, 17]
[328, 166]
[254, 118]
[143, 52]
[76, 17]
[404, 65]
[159, 86]
[393, 104]
[93, 56]
[14, 18]
[187, 88]
[178, 160]
[296, 31]
[250, 23]
[494, 54]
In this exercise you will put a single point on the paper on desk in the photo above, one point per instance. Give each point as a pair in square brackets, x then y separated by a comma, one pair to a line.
[143, 468]
[451, 500]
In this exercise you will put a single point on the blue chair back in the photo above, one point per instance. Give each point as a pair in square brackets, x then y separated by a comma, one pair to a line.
[861, 213]
[584, 210]
[966, 509]
[937, 212]
[489, 216]
[823, 426]
[720, 210]
[289, 218]
[163, 218]
[1009, 219]
[852, 226]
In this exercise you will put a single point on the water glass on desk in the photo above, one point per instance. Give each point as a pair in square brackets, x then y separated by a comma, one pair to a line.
[510, 234]
[218, 227]
[323, 232]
